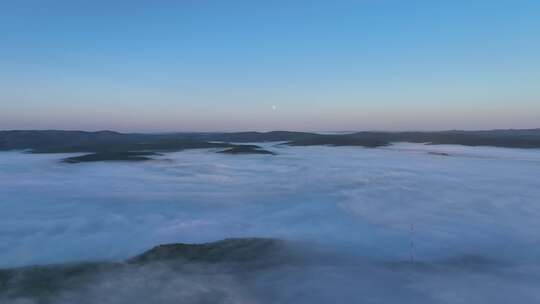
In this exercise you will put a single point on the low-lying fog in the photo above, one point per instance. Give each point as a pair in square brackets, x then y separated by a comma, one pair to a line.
[382, 205]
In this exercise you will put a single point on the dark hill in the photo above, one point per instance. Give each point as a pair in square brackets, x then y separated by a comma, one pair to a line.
[43, 283]
[340, 140]
[246, 137]
[239, 260]
[495, 138]
[110, 156]
[248, 250]
[246, 149]
[108, 141]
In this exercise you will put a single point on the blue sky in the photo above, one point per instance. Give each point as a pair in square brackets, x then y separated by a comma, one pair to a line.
[224, 65]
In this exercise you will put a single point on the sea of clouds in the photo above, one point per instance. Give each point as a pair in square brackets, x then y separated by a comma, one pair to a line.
[380, 206]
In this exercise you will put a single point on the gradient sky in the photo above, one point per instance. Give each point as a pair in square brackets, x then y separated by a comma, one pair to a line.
[223, 65]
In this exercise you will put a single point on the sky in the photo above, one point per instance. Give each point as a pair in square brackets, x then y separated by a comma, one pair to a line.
[153, 66]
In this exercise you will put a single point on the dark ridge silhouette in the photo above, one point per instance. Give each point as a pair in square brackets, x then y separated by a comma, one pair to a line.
[108, 141]
[171, 145]
[110, 156]
[246, 149]
[438, 153]
[246, 250]
[244, 137]
[235, 257]
[339, 140]
[232, 255]
[495, 138]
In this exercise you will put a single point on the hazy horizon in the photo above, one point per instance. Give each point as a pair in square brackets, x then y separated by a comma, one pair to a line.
[268, 131]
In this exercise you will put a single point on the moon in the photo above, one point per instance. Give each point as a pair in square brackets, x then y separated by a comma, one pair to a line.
[274, 107]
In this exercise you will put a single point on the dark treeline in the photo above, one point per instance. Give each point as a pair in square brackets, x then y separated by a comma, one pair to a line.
[52, 141]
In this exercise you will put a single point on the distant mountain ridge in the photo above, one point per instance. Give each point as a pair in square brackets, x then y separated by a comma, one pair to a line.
[58, 141]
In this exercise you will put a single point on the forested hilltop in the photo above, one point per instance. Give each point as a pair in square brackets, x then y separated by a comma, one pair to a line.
[54, 141]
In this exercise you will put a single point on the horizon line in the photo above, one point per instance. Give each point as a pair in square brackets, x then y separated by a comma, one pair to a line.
[271, 131]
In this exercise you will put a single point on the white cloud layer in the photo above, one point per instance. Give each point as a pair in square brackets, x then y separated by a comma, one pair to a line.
[477, 201]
